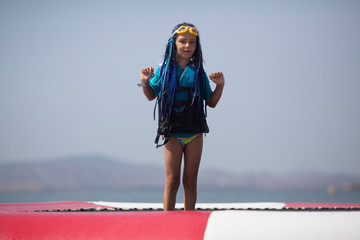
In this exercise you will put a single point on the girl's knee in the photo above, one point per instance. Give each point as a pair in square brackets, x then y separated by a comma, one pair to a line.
[172, 183]
[190, 183]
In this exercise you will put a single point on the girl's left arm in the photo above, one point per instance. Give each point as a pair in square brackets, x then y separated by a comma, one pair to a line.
[219, 79]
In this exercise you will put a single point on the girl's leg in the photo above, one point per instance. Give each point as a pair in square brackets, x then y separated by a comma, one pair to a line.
[192, 157]
[173, 156]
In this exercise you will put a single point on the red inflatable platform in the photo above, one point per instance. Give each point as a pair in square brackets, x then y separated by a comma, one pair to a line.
[103, 220]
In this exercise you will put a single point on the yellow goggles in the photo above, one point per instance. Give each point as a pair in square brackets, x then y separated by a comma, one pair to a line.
[183, 29]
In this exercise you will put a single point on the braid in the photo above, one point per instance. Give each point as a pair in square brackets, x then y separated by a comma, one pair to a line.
[169, 83]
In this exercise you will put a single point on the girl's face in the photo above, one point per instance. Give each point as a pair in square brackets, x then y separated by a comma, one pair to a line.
[185, 45]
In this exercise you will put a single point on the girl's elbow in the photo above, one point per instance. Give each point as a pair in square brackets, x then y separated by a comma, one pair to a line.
[150, 98]
[211, 104]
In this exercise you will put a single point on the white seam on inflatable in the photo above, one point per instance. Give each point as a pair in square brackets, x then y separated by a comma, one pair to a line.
[199, 206]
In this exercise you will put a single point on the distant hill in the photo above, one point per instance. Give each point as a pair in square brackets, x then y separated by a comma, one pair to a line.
[102, 173]
[75, 173]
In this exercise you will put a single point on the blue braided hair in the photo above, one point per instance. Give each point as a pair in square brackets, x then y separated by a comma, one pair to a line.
[169, 82]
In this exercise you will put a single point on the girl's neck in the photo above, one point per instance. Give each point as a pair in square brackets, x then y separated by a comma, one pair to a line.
[183, 62]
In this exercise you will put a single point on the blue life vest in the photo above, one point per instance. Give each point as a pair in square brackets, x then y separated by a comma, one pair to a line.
[186, 115]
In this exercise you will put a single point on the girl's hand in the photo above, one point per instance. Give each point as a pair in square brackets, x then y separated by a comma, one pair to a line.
[146, 74]
[218, 78]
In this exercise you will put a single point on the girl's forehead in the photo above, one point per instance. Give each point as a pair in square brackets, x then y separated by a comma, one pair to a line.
[186, 35]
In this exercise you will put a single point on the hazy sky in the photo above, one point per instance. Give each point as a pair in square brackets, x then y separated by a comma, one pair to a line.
[69, 69]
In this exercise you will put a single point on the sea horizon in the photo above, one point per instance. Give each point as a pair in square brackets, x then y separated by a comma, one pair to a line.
[204, 196]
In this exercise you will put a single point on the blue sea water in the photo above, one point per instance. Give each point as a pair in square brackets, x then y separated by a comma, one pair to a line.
[204, 196]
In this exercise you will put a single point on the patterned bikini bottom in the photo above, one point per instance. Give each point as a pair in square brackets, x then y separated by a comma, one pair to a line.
[185, 138]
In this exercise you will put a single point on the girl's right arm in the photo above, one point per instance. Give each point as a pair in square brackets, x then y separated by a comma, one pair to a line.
[145, 76]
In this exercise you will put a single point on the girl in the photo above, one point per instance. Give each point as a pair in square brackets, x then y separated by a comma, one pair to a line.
[183, 91]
